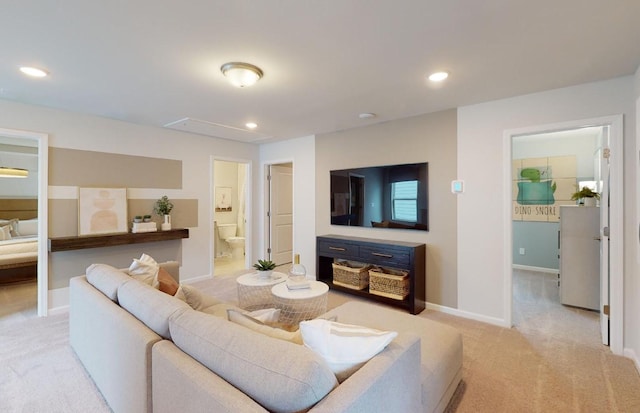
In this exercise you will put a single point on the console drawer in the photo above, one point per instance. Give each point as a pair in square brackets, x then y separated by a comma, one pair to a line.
[393, 257]
[338, 249]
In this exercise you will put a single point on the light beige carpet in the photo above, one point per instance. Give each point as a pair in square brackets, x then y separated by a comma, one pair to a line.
[541, 365]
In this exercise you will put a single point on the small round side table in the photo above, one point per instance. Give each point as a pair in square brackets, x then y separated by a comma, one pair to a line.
[254, 292]
[300, 304]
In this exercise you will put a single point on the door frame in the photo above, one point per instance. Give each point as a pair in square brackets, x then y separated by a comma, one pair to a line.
[248, 209]
[264, 207]
[43, 211]
[616, 292]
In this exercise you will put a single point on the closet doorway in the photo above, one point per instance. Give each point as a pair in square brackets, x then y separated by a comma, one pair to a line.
[548, 165]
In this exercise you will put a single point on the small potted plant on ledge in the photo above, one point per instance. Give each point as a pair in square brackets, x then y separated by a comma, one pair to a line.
[265, 268]
[163, 208]
[586, 195]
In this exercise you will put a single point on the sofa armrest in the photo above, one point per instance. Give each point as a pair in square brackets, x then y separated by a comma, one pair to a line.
[181, 384]
[389, 382]
[113, 346]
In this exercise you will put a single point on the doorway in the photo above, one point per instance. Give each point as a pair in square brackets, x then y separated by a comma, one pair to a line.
[606, 142]
[230, 212]
[279, 213]
[38, 141]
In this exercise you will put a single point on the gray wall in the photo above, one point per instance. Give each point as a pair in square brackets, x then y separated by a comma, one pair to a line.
[428, 138]
[539, 240]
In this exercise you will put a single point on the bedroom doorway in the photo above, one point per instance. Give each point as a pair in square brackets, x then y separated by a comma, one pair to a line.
[28, 199]
[594, 158]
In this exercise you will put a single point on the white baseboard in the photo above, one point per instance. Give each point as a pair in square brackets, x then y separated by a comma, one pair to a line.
[465, 314]
[538, 269]
[630, 353]
[58, 300]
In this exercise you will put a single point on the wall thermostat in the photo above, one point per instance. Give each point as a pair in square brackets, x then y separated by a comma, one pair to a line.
[457, 187]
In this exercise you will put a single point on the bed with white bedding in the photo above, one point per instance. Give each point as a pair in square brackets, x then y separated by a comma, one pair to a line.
[18, 240]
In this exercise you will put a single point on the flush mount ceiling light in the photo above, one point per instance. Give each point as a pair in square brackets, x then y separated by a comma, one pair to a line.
[6, 172]
[241, 74]
[33, 71]
[251, 125]
[367, 115]
[438, 76]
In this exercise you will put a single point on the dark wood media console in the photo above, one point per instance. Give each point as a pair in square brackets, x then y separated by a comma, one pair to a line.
[408, 256]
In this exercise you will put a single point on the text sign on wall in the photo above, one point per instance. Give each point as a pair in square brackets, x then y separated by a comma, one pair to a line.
[541, 185]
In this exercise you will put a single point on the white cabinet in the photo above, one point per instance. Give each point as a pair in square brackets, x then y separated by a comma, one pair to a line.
[580, 256]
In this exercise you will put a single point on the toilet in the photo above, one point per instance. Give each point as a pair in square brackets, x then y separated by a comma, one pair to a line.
[227, 232]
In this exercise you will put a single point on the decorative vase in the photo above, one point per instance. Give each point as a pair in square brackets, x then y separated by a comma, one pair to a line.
[264, 275]
[166, 225]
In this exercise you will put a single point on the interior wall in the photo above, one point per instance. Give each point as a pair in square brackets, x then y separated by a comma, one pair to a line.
[12, 156]
[302, 153]
[632, 286]
[76, 131]
[481, 151]
[427, 138]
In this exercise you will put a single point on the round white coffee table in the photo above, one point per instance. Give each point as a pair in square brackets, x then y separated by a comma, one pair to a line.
[254, 292]
[300, 304]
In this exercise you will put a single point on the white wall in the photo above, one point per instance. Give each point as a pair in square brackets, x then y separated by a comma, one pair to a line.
[481, 210]
[632, 285]
[22, 187]
[76, 131]
[301, 152]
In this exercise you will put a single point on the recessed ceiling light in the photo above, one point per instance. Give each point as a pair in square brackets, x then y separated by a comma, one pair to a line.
[241, 74]
[251, 125]
[367, 115]
[438, 76]
[33, 71]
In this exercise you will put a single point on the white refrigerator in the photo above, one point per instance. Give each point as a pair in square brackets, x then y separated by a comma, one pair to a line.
[580, 256]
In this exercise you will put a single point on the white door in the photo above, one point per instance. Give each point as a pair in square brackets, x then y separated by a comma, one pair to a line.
[280, 213]
[601, 159]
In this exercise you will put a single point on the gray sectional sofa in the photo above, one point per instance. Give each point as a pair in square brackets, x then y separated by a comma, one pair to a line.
[150, 352]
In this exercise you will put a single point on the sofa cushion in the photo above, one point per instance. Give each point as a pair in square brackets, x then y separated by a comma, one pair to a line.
[106, 279]
[345, 347]
[149, 305]
[256, 325]
[279, 375]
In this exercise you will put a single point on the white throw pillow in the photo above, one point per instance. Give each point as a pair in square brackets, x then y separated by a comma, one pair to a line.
[146, 270]
[267, 315]
[345, 347]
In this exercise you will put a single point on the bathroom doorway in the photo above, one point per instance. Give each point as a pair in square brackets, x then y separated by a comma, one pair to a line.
[229, 203]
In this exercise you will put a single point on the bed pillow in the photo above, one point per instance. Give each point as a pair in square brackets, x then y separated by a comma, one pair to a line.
[345, 347]
[28, 227]
[13, 226]
[5, 232]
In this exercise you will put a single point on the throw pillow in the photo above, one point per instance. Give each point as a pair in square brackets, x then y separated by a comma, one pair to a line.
[266, 316]
[197, 300]
[345, 347]
[5, 232]
[251, 323]
[166, 283]
[145, 269]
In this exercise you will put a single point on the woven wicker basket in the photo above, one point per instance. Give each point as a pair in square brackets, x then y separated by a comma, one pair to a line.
[389, 283]
[351, 275]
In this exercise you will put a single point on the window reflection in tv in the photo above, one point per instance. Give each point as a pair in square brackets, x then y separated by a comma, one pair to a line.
[390, 196]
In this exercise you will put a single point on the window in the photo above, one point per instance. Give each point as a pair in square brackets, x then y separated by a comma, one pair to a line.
[404, 201]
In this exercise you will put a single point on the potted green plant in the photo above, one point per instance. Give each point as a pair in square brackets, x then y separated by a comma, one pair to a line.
[163, 208]
[587, 196]
[265, 268]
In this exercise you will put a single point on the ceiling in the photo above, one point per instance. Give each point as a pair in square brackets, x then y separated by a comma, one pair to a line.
[158, 62]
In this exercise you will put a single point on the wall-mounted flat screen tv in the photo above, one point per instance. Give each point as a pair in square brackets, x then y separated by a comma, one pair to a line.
[389, 196]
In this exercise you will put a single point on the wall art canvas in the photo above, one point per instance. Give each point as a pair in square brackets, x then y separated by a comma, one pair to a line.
[102, 211]
[541, 185]
[223, 199]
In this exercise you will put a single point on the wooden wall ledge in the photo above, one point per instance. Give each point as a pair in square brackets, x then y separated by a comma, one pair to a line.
[99, 241]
